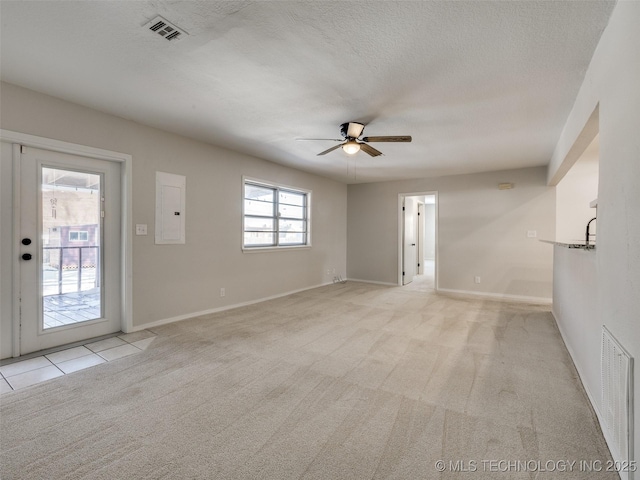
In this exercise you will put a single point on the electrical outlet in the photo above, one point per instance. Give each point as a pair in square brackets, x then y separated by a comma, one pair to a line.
[532, 234]
[476, 279]
[141, 228]
[222, 292]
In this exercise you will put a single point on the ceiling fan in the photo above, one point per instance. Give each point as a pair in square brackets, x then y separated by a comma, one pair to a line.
[352, 143]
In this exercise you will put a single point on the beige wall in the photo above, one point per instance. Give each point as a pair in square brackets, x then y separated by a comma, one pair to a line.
[482, 231]
[612, 82]
[175, 280]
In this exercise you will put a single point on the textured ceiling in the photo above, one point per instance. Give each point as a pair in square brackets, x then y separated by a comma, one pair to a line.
[479, 85]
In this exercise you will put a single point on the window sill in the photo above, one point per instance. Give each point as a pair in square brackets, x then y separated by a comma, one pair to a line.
[273, 249]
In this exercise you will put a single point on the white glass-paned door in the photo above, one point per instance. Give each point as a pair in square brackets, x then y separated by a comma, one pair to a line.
[70, 248]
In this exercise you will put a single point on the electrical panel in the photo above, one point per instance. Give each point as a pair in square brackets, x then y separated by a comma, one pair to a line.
[170, 208]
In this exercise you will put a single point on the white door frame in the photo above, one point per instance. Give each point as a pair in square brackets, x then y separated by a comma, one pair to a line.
[401, 197]
[126, 307]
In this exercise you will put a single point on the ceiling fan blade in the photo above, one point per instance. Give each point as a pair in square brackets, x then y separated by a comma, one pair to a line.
[370, 150]
[322, 139]
[329, 150]
[397, 138]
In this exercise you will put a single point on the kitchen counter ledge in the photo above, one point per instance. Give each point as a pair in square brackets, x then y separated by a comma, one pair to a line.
[572, 244]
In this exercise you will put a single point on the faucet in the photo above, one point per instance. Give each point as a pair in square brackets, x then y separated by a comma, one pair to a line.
[586, 243]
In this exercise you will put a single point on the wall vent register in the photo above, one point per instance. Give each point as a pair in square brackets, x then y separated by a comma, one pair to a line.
[617, 400]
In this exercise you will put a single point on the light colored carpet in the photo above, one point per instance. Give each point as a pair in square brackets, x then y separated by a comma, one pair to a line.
[350, 381]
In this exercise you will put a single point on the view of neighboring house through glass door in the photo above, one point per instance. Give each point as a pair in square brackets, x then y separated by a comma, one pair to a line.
[70, 248]
[71, 241]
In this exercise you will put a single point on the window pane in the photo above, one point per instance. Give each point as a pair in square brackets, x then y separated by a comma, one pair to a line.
[290, 238]
[253, 207]
[259, 239]
[292, 198]
[258, 224]
[292, 226]
[274, 216]
[289, 211]
[255, 192]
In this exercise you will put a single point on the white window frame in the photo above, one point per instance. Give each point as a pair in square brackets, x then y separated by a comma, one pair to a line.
[277, 187]
[79, 232]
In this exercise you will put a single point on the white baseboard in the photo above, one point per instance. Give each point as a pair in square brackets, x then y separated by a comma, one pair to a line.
[373, 281]
[497, 296]
[188, 316]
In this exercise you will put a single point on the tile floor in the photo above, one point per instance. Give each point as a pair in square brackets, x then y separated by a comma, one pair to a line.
[35, 370]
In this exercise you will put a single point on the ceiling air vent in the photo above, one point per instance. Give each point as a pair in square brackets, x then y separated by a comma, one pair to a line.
[165, 29]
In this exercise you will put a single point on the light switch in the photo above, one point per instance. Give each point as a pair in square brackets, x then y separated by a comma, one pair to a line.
[141, 228]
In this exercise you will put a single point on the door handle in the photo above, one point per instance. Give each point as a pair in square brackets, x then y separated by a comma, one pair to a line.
[26, 256]
[413, 244]
[26, 241]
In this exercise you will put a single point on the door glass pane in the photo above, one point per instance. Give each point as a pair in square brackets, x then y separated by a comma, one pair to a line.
[71, 242]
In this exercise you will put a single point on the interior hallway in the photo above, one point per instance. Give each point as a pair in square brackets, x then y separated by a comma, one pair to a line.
[425, 282]
[345, 381]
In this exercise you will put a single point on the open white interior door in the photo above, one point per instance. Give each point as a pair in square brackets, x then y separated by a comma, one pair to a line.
[420, 238]
[409, 240]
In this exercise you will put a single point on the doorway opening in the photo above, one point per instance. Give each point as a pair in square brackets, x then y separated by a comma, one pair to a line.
[417, 260]
[68, 268]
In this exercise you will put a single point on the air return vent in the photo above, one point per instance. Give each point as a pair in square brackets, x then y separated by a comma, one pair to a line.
[165, 29]
[617, 400]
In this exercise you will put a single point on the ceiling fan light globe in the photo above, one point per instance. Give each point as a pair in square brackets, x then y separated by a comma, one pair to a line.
[351, 147]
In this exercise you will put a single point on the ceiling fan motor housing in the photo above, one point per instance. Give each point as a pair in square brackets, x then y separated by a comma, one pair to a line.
[351, 133]
[351, 129]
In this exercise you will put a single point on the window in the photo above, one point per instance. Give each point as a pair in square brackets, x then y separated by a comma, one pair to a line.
[274, 216]
[78, 236]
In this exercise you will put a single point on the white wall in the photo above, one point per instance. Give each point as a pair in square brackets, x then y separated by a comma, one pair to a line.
[577, 189]
[575, 298]
[174, 280]
[481, 231]
[612, 82]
